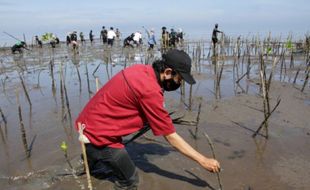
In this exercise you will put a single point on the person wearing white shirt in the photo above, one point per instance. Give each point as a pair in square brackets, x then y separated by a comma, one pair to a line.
[137, 38]
[111, 36]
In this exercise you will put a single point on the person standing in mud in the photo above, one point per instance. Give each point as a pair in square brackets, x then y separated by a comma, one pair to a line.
[180, 36]
[104, 35]
[38, 41]
[68, 39]
[111, 36]
[137, 38]
[151, 38]
[164, 38]
[73, 39]
[57, 41]
[91, 36]
[118, 33]
[172, 38]
[127, 103]
[82, 37]
[214, 35]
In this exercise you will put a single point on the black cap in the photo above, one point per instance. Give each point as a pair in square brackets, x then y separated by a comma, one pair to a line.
[181, 62]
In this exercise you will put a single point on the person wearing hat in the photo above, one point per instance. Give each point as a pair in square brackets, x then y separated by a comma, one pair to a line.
[132, 99]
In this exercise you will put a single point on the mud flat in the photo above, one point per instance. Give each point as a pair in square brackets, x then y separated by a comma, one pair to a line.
[230, 114]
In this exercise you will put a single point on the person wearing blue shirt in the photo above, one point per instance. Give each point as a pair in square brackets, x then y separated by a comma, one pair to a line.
[151, 39]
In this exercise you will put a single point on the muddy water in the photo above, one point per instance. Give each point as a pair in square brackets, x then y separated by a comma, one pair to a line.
[281, 162]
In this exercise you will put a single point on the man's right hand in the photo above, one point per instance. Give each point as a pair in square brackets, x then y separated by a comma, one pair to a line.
[178, 142]
[210, 164]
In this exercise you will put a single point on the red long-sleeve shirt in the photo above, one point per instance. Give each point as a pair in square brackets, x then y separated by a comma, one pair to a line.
[115, 111]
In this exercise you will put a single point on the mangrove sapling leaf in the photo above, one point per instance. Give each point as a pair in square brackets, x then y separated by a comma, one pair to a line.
[64, 148]
[269, 50]
[289, 44]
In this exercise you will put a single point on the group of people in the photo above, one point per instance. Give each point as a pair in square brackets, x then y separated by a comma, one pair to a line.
[133, 102]
[72, 39]
[108, 36]
[133, 39]
[168, 39]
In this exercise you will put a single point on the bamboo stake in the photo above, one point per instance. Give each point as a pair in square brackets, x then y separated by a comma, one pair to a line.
[197, 120]
[79, 77]
[96, 68]
[265, 99]
[237, 81]
[306, 79]
[97, 84]
[52, 73]
[22, 127]
[67, 103]
[190, 97]
[213, 154]
[61, 90]
[265, 120]
[85, 158]
[2, 135]
[220, 74]
[25, 90]
[88, 85]
[3, 117]
[296, 76]
[265, 89]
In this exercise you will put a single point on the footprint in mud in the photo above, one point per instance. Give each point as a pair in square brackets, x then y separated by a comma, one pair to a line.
[222, 142]
[237, 154]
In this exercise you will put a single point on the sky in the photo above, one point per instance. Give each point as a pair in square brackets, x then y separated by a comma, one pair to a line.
[196, 17]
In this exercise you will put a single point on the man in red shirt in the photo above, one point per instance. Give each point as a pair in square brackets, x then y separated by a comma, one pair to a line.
[129, 101]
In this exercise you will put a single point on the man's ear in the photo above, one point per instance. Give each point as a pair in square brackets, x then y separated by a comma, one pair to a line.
[168, 73]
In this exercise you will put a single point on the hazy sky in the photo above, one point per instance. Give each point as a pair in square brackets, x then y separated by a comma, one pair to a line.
[196, 17]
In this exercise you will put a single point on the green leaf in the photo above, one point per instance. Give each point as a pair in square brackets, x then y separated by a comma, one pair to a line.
[64, 146]
[269, 50]
[47, 37]
[289, 44]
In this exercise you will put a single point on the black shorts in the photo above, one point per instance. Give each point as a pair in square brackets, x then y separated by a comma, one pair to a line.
[110, 42]
[214, 40]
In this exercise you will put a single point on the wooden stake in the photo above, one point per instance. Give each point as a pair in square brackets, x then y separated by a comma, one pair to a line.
[85, 158]
[307, 77]
[197, 120]
[190, 97]
[79, 77]
[25, 90]
[22, 127]
[88, 85]
[266, 118]
[97, 84]
[67, 103]
[3, 117]
[213, 154]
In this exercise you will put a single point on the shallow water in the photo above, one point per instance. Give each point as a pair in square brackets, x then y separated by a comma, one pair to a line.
[247, 164]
